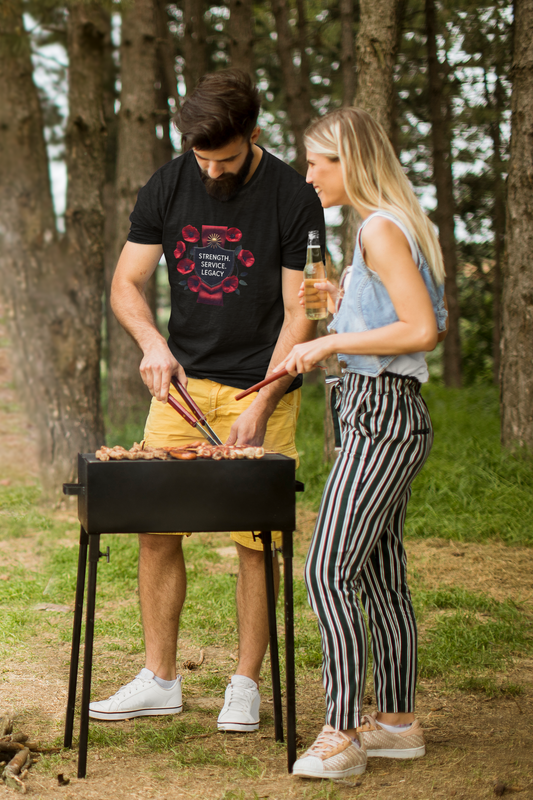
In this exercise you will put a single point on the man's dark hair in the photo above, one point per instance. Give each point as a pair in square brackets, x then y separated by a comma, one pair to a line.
[223, 106]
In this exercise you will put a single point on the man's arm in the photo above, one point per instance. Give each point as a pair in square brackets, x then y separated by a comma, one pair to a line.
[250, 427]
[135, 267]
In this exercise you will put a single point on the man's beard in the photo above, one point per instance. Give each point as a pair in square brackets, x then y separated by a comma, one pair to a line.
[227, 186]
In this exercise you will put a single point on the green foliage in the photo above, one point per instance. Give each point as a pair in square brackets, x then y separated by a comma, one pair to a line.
[310, 444]
[471, 489]
[474, 49]
[489, 687]
[468, 642]
[475, 284]
[19, 511]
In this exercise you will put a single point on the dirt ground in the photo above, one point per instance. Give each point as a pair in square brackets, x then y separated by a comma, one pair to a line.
[477, 746]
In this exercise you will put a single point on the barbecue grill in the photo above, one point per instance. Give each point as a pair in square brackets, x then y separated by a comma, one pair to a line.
[200, 495]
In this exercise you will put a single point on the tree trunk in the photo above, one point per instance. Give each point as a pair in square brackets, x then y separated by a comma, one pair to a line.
[163, 150]
[137, 146]
[347, 58]
[376, 46]
[194, 43]
[240, 29]
[52, 287]
[305, 70]
[517, 300]
[166, 53]
[394, 132]
[299, 108]
[441, 136]
[498, 226]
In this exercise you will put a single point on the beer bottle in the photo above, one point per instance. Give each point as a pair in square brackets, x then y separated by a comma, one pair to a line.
[316, 302]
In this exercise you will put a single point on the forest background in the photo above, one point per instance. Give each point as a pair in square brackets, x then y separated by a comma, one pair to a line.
[89, 89]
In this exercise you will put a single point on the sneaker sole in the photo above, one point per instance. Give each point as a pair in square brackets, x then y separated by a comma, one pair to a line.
[330, 774]
[241, 727]
[413, 752]
[113, 716]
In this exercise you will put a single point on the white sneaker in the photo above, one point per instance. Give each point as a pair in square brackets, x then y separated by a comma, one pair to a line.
[332, 755]
[142, 697]
[241, 706]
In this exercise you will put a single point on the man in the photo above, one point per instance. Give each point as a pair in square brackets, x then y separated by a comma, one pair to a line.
[232, 222]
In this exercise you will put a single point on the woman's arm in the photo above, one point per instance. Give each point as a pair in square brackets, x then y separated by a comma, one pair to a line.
[387, 253]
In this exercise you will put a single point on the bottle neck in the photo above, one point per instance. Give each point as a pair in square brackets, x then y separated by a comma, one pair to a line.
[314, 254]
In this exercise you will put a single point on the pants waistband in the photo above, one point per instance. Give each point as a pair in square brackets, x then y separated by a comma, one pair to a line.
[386, 382]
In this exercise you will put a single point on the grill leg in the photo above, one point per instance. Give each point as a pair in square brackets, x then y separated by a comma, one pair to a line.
[76, 636]
[94, 555]
[266, 537]
[289, 648]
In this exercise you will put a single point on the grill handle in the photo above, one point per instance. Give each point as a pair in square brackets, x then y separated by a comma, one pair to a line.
[73, 488]
[299, 486]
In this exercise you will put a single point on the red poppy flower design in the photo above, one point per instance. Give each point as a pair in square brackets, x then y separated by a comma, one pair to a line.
[185, 266]
[246, 257]
[180, 249]
[190, 233]
[194, 283]
[233, 235]
[230, 284]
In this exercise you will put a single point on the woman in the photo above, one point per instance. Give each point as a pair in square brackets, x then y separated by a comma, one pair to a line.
[391, 313]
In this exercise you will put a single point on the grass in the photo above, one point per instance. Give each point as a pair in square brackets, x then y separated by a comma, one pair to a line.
[473, 635]
[470, 489]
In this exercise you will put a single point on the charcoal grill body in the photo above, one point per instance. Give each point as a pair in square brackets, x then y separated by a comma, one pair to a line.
[164, 496]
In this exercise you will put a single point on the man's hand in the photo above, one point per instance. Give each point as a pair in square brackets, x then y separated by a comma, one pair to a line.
[157, 368]
[250, 427]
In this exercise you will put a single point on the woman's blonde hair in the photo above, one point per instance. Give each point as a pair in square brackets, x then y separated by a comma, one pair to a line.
[373, 176]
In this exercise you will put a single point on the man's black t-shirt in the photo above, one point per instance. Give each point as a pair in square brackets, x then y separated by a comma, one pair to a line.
[224, 262]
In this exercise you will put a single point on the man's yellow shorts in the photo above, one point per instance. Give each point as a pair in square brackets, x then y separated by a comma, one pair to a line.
[165, 426]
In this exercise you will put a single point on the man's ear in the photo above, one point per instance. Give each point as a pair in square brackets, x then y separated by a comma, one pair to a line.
[255, 134]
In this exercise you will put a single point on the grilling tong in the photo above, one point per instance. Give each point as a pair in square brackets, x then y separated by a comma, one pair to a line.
[196, 419]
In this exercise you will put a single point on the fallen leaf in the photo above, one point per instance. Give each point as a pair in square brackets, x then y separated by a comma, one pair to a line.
[52, 607]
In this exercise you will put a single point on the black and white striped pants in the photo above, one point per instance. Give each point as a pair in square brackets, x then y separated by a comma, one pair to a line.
[357, 547]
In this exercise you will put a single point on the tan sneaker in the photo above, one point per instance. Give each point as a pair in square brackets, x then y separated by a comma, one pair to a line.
[333, 755]
[384, 744]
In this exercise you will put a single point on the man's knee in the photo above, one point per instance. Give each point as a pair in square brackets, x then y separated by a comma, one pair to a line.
[153, 545]
[248, 558]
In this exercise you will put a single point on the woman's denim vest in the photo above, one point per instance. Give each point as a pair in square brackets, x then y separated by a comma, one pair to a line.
[366, 304]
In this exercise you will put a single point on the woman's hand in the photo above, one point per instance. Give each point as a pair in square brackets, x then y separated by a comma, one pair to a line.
[305, 357]
[322, 286]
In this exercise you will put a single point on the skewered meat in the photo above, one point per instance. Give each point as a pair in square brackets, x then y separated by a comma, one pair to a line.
[186, 452]
[137, 452]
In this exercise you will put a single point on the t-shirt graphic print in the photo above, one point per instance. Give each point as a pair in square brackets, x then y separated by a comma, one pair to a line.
[214, 266]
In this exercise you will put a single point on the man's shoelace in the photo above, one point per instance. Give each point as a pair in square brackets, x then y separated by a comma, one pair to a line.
[239, 698]
[129, 687]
